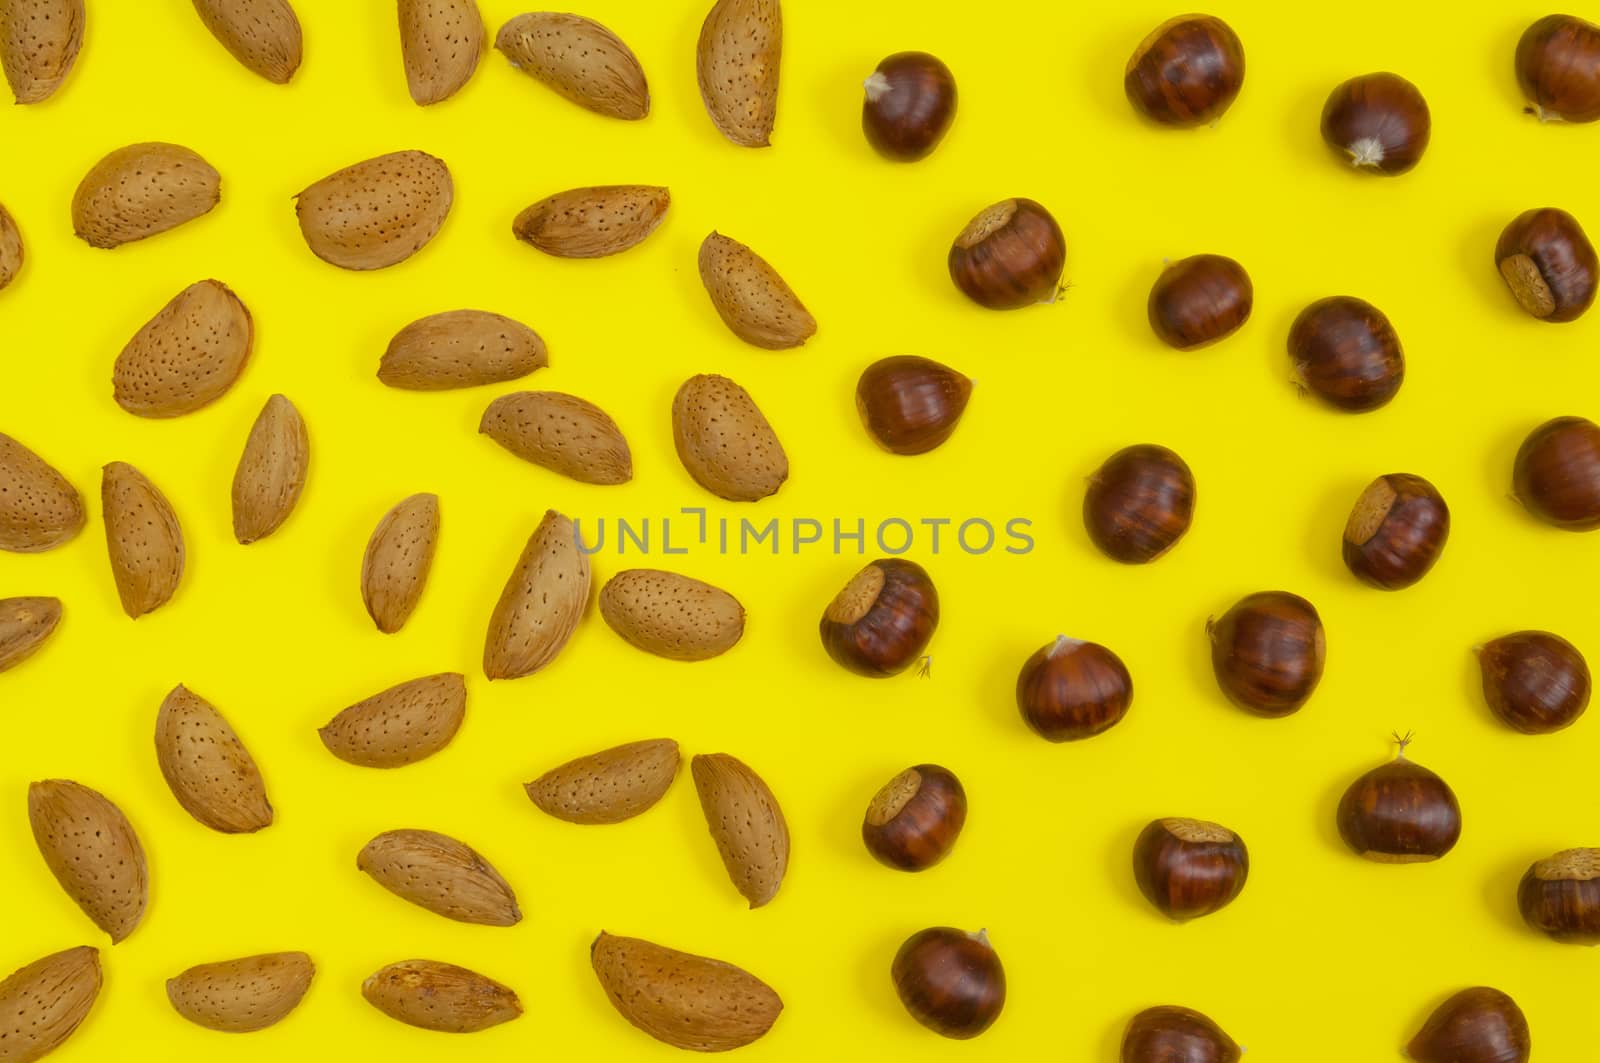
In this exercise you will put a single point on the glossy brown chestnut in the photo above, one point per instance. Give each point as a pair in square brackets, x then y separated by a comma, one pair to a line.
[882, 620]
[1535, 682]
[1558, 67]
[1186, 72]
[1010, 256]
[916, 818]
[1557, 473]
[1199, 300]
[1549, 264]
[1267, 652]
[1170, 1034]
[910, 103]
[910, 405]
[1188, 867]
[1379, 121]
[1347, 353]
[1560, 896]
[1400, 813]
[1073, 689]
[1480, 1025]
[950, 981]
[1139, 503]
[1396, 531]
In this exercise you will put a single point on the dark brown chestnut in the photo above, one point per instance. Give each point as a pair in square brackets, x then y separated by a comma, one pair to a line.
[1379, 121]
[1535, 682]
[1073, 689]
[1188, 867]
[910, 405]
[1480, 1025]
[1010, 256]
[916, 818]
[1347, 353]
[1396, 531]
[1186, 72]
[1268, 652]
[1400, 813]
[910, 103]
[1557, 473]
[1558, 67]
[950, 981]
[1170, 1034]
[882, 620]
[1560, 896]
[1199, 300]
[1139, 503]
[1549, 264]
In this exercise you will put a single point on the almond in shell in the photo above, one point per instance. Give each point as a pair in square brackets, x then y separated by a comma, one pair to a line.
[440, 996]
[25, 624]
[750, 297]
[741, 43]
[43, 1003]
[461, 349]
[746, 823]
[378, 212]
[671, 615]
[445, 876]
[271, 472]
[401, 725]
[609, 786]
[441, 41]
[243, 995]
[142, 537]
[561, 432]
[207, 767]
[398, 558]
[580, 59]
[542, 602]
[724, 440]
[39, 42]
[11, 253]
[264, 35]
[39, 509]
[141, 190]
[92, 851]
[688, 1001]
[593, 222]
[187, 356]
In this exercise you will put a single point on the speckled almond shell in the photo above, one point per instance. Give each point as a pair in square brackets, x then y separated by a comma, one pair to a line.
[187, 356]
[264, 35]
[11, 253]
[440, 996]
[752, 300]
[745, 822]
[271, 472]
[561, 432]
[243, 995]
[92, 851]
[441, 42]
[39, 42]
[142, 538]
[724, 440]
[672, 615]
[401, 725]
[461, 349]
[43, 1003]
[207, 767]
[398, 558]
[542, 602]
[25, 624]
[609, 786]
[141, 190]
[378, 212]
[741, 44]
[688, 1001]
[39, 509]
[580, 59]
[445, 876]
[593, 222]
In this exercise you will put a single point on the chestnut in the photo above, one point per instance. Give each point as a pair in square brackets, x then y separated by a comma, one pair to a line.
[1557, 473]
[1558, 67]
[910, 405]
[1011, 255]
[1560, 896]
[882, 620]
[1548, 263]
[1480, 1025]
[1400, 813]
[915, 819]
[1188, 867]
[1347, 353]
[1186, 72]
[1396, 531]
[950, 981]
[1199, 300]
[911, 101]
[1535, 682]
[1139, 503]
[1268, 652]
[1380, 121]
[1170, 1034]
[1073, 689]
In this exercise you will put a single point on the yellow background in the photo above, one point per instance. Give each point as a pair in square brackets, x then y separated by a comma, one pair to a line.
[1324, 957]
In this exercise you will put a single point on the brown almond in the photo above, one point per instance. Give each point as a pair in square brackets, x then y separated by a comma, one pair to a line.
[39, 509]
[752, 300]
[688, 1001]
[441, 41]
[378, 212]
[436, 872]
[741, 44]
[208, 768]
[142, 537]
[746, 823]
[542, 602]
[92, 851]
[264, 35]
[561, 432]
[440, 996]
[671, 615]
[243, 995]
[724, 440]
[401, 725]
[593, 222]
[272, 471]
[398, 558]
[25, 624]
[39, 42]
[580, 59]
[187, 356]
[141, 190]
[11, 253]
[43, 1003]
[461, 349]
[609, 786]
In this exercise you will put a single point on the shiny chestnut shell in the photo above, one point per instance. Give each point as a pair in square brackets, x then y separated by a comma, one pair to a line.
[1534, 681]
[916, 817]
[1558, 67]
[1556, 476]
[1560, 896]
[1189, 867]
[1396, 531]
[1547, 261]
[1186, 72]
[909, 404]
[1379, 122]
[883, 618]
[1479, 1025]
[1139, 503]
[1010, 256]
[1171, 1034]
[1400, 813]
[910, 103]
[1199, 300]
[1071, 689]
[1347, 353]
[1268, 652]
[950, 981]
